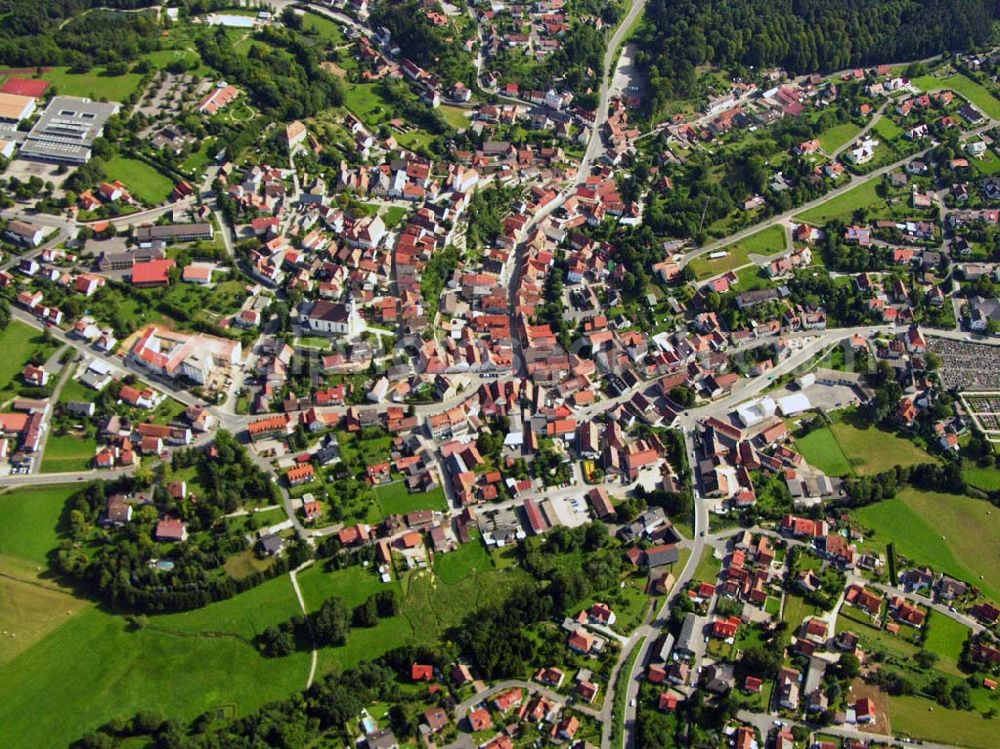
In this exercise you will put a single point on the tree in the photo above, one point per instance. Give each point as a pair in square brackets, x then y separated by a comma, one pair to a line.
[925, 659]
[683, 396]
[848, 667]
[332, 622]
[366, 614]
[761, 662]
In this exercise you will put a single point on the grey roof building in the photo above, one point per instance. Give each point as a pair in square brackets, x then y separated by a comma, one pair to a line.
[67, 129]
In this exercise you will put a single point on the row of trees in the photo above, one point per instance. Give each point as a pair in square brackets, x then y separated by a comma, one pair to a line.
[327, 627]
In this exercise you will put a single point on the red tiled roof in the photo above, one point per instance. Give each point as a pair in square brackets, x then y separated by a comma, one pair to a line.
[152, 271]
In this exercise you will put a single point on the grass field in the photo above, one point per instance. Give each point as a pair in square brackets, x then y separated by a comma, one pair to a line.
[708, 567]
[770, 241]
[94, 667]
[988, 163]
[93, 85]
[822, 450]
[872, 450]
[143, 181]
[395, 498]
[843, 206]
[927, 720]
[19, 342]
[873, 638]
[838, 135]
[324, 28]
[30, 521]
[467, 560]
[455, 116]
[949, 532]
[86, 665]
[795, 611]
[393, 216]
[68, 453]
[967, 87]
[432, 602]
[74, 390]
[945, 636]
[886, 129]
[31, 605]
[987, 479]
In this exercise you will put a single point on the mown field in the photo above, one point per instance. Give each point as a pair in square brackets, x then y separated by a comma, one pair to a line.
[95, 84]
[395, 498]
[66, 453]
[986, 479]
[927, 720]
[949, 532]
[143, 181]
[821, 449]
[872, 450]
[849, 446]
[843, 206]
[838, 135]
[769, 241]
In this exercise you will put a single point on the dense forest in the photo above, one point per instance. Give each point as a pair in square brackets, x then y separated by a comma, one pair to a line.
[34, 33]
[800, 35]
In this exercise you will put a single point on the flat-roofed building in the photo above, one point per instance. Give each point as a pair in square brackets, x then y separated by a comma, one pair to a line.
[14, 107]
[173, 233]
[67, 129]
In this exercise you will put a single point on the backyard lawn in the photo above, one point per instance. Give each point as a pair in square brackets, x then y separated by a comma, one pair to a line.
[395, 499]
[795, 611]
[887, 130]
[74, 390]
[836, 136]
[770, 241]
[946, 531]
[19, 342]
[143, 181]
[393, 216]
[455, 116]
[708, 568]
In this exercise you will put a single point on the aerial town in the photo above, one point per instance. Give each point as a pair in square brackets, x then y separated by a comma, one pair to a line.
[499, 375]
